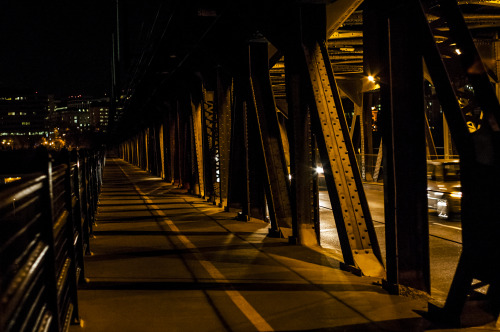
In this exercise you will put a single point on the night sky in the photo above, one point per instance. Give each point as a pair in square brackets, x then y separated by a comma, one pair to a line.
[56, 47]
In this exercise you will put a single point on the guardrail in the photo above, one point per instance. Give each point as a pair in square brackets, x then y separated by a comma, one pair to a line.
[46, 220]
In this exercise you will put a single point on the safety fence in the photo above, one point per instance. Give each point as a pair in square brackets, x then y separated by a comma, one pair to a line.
[48, 202]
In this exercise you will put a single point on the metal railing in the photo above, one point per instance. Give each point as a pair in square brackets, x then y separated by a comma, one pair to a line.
[46, 220]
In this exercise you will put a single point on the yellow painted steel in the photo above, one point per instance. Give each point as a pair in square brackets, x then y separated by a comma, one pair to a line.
[342, 168]
[198, 143]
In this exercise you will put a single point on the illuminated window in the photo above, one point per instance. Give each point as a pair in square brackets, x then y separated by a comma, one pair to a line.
[26, 123]
[11, 113]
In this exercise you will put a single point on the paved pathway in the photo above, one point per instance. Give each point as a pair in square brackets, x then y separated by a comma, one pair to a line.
[164, 260]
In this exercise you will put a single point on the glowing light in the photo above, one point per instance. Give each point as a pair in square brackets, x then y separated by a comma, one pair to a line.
[371, 78]
[12, 179]
[458, 51]
[319, 170]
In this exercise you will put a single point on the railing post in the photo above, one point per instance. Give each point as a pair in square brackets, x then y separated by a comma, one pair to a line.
[48, 233]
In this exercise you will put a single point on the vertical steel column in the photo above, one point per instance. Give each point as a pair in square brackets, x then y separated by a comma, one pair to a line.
[137, 150]
[263, 104]
[146, 150]
[224, 104]
[194, 185]
[166, 147]
[238, 195]
[156, 153]
[162, 150]
[181, 144]
[245, 211]
[300, 150]
[198, 143]
[210, 146]
[405, 172]
[172, 144]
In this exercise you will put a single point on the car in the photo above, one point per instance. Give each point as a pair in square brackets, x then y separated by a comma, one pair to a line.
[444, 192]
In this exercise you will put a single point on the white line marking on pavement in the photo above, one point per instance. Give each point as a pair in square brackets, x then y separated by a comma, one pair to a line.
[245, 307]
[454, 227]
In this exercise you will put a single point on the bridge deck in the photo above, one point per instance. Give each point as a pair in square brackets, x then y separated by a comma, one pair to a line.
[164, 260]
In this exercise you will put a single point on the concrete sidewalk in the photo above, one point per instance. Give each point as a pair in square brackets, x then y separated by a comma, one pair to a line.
[164, 260]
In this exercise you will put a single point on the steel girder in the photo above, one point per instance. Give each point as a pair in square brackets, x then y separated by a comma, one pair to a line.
[162, 150]
[239, 173]
[197, 136]
[172, 117]
[263, 104]
[404, 148]
[304, 189]
[352, 216]
[338, 12]
[210, 145]
[223, 105]
[478, 142]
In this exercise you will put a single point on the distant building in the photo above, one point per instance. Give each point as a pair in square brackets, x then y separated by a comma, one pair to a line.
[28, 119]
[82, 114]
[99, 114]
[23, 117]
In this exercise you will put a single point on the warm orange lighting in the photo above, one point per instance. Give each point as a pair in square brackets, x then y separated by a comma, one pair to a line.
[11, 179]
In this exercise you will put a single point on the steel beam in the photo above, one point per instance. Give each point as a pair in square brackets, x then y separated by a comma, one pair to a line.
[479, 148]
[352, 216]
[209, 144]
[166, 148]
[238, 195]
[406, 215]
[223, 105]
[263, 104]
[146, 149]
[162, 150]
[338, 12]
[303, 194]
[198, 143]
[180, 142]
[172, 144]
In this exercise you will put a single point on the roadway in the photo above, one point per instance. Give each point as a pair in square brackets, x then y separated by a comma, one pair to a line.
[445, 240]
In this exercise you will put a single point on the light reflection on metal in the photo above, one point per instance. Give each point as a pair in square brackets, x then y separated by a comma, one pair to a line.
[12, 179]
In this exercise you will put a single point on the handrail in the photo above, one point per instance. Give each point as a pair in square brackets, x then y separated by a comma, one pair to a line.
[46, 221]
[20, 189]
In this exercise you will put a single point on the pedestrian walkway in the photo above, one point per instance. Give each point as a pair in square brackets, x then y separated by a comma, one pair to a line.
[165, 260]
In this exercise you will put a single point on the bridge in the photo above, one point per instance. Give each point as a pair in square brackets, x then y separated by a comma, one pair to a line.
[206, 200]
